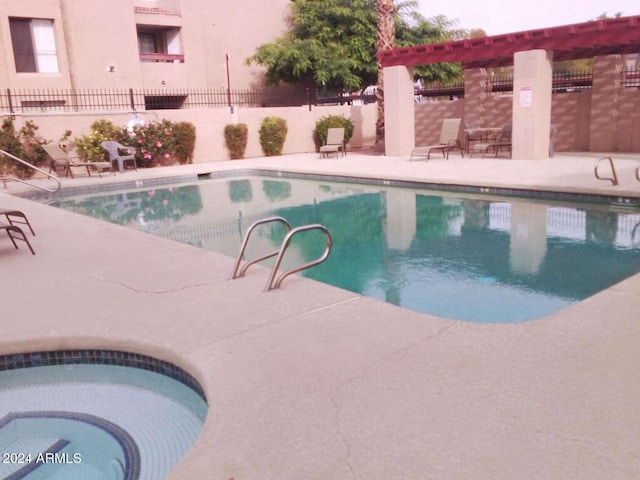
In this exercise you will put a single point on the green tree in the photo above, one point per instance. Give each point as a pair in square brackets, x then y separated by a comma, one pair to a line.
[332, 43]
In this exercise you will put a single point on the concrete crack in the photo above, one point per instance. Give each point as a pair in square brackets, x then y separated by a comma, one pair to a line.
[158, 292]
[347, 456]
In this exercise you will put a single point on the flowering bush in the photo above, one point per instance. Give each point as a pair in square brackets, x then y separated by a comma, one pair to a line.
[90, 146]
[153, 143]
[156, 143]
[24, 144]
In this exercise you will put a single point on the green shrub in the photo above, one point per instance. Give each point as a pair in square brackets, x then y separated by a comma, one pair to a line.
[184, 135]
[235, 139]
[89, 146]
[273, 132]
[331, 121]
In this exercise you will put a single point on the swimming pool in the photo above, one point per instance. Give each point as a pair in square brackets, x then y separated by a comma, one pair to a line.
[463, 256]
[102, 415]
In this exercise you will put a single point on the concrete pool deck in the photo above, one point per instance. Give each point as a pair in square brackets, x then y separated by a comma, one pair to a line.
[313, 382]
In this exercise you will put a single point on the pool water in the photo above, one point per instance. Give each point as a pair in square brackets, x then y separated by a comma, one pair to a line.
[455, 255]
[94, 421]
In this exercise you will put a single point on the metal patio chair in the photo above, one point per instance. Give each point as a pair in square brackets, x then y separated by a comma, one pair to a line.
[450, 139]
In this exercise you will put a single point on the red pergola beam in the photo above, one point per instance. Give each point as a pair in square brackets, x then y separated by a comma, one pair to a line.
[569, 42]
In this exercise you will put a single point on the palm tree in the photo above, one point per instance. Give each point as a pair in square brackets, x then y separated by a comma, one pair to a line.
[385, 38]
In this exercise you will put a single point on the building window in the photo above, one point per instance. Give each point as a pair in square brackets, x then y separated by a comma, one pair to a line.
[34, 45]
[159, 44]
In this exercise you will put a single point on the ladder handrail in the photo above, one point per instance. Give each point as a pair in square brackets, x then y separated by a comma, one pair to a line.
[614, 178]
[6, 178]
[245, 241]
[274, 282]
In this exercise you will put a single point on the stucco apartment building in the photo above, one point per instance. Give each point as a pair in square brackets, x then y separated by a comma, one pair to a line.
[140, 44]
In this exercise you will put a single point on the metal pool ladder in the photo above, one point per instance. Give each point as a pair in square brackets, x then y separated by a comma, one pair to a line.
[614, 176]
[7, 178]
[275, 281]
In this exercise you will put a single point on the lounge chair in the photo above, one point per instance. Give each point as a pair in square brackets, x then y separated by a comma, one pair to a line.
[502, 141]
[114, 149]
[334, 144]
[61, 161]
[10, 214]
[450, 139]
[16, 233]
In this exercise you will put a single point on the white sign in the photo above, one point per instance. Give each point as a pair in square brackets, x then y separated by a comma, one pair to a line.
[525, 97]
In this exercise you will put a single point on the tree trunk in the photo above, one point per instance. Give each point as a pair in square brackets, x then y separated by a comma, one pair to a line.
[385, 38]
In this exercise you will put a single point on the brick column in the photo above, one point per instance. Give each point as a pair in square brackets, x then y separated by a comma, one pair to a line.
[605, 97]
[475, 92]
[532, 83]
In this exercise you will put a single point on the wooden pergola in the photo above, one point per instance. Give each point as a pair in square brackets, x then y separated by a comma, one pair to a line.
[569, 42]
[531, 52]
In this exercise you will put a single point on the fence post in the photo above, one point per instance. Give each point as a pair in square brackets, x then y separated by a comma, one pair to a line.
[308, 99]
[131, 100]
[10, 102]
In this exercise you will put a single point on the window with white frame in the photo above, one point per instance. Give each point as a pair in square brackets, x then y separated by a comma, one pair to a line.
[34, 45]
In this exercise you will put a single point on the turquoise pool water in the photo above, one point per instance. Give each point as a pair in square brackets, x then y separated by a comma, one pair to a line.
[99, 421]
[456, 255]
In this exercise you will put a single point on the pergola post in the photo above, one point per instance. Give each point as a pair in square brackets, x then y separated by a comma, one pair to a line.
[532, 86]
[399, 121]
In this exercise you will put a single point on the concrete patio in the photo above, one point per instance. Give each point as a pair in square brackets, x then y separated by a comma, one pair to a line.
[313, 382]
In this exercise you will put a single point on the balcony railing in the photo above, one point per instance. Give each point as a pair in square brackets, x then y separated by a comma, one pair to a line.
[161, 57]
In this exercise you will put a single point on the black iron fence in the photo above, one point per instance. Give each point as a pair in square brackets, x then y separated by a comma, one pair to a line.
[631, 77]
[86, 100]
[561, 82]
[76, 100]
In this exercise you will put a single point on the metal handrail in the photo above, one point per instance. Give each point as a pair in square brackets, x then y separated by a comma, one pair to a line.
[274, 282]
[614, 178]
[6, 178]
[638, 170]
[245, 241]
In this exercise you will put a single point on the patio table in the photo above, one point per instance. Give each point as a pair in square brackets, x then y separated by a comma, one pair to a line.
[480, 134]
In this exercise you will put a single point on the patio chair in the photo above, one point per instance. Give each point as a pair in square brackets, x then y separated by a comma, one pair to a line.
[334, 143]
[471, 134]
[502, 141]
[10, 214]
[115, 154]
[61, 161]
[16, 233]
[450, 139]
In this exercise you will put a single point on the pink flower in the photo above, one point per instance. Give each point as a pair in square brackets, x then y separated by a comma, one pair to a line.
[147, 156]
[158, 144]
[165, 202]
[167, 155]
[170, 189]
[151, 193]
